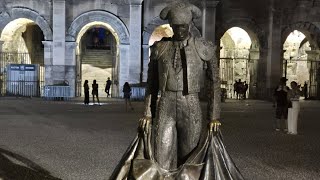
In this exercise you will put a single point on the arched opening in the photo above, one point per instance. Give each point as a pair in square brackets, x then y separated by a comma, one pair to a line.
[160, 32]
[238, 63]
[22, 58]
[98, 57]
[296, 66]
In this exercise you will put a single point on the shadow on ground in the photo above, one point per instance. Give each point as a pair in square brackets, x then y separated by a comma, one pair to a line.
[16, 167]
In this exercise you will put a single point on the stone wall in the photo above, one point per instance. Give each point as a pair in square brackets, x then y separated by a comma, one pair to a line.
[267, 23]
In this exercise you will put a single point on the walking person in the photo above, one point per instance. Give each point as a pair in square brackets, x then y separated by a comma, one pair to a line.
[108, 85]
[127, 94]
[246, 86]
[86, 92]
[294, 108]
[280, 101]
[95, 88]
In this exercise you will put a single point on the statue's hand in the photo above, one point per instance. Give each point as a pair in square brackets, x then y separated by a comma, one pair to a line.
[214, 125]
[144, 123]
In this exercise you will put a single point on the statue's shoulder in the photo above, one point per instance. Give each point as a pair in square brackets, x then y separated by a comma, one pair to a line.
[163, 42]
[159, 47]
[205, 49]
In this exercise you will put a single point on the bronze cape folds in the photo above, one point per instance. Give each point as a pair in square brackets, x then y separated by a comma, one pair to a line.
[209, 161]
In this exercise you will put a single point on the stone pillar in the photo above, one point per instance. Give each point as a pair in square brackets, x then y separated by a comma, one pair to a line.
[314, 73]
[209, 20]
[135, 60]
[70, 66]
[59, 31]
[274, 58]
[58, 49]
[253, 69]
[48, 80]
[261, 74]
[124, 71]
[145, 51]
[1, 43]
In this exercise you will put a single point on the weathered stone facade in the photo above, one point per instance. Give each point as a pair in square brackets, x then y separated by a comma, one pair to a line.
[268, 23]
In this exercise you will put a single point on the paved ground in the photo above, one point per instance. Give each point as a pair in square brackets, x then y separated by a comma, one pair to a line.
[71, 141]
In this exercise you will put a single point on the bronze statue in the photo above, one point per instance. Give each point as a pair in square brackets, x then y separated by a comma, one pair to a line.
[168, 145]
[174, 71]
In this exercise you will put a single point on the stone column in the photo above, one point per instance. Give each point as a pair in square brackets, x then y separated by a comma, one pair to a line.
[209, 20]
[261, 74]
[70, 66]
[135, 60]
[48, 80]
[274, 58]
[124, 71]
[253, 69]
[145, 51]
[314, 73]
[1, 43]
[59, 38]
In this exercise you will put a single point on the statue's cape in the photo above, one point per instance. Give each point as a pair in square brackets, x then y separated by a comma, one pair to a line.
[208, 161]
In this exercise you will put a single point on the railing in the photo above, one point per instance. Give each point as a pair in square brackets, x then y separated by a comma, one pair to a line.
[57, 93]
[138, 93]
[20, 88]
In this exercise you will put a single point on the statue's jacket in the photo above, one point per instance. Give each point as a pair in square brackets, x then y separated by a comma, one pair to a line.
[197, 52]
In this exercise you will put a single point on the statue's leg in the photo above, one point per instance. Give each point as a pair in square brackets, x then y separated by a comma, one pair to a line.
[165, 132]
[189, 125]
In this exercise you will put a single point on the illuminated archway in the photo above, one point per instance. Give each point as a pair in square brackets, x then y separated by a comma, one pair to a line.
[22, 44]
[115, 25]
[295, 58]
[238, 61]
[95, 61]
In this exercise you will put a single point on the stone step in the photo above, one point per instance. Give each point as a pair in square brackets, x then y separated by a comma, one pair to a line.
[98, 58]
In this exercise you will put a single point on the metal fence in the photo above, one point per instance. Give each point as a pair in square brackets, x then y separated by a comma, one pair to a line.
[138, 93]
[57, 93]
[23, 87]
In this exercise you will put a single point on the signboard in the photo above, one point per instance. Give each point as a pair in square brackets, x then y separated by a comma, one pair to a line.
[23, 79]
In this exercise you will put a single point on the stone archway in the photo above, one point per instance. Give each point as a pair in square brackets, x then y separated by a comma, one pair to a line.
[20, 12]
[257, 35]
[11, 16]
[120, 30]
[311, 31]
[257, 51]
[100, 16]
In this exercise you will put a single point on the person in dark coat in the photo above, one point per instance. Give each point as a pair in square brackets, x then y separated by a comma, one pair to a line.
[127, 94]
[86, 92]
[280, 97]
[108, 85]
[95, 88]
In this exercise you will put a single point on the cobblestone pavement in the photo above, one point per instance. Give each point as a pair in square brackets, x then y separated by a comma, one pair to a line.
[68, 140]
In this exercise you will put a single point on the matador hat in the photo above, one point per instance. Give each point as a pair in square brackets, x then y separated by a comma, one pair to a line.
[180, 13]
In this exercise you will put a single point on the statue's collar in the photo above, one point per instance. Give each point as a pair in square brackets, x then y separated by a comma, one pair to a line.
[184, 42]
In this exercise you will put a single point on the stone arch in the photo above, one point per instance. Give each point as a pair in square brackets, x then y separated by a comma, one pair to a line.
[311, 31]
[101, 16]
[256, 34]
[148, 30]
[21, 12]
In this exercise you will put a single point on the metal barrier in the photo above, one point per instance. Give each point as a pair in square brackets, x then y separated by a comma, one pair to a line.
[138, 93]
[53, 92]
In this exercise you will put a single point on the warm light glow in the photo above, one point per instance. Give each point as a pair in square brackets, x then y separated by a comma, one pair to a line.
[11, 35]
[295, 37]
[296, 58]
[161, 31]
[240, 37]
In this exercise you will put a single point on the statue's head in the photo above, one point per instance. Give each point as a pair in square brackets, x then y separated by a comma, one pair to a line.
[180, 16]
